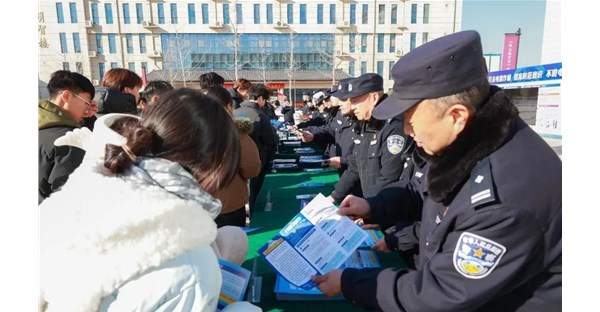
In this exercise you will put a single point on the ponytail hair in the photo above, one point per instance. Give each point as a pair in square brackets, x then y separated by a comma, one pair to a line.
[139, 141]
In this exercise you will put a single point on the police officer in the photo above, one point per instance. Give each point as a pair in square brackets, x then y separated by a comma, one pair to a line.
[491, 229]
[379, 144]
[338, 131]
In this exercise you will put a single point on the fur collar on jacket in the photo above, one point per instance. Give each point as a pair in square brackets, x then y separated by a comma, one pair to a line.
[244, 125]
[491, 126]
[102, 229]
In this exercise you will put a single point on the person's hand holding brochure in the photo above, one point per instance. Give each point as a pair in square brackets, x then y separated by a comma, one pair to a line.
[317, 240]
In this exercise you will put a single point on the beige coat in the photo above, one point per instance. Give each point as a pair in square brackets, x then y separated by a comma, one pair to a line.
[235, 195]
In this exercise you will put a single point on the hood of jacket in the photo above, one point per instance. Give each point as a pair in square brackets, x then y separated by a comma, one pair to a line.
[115, 101]
[103, 229]
[244, 125]
[50, 115]
[489, 129]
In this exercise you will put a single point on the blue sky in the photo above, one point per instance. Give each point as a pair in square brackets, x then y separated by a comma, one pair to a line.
[493, 18]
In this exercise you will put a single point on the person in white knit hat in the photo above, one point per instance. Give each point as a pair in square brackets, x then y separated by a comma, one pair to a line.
[146, 241]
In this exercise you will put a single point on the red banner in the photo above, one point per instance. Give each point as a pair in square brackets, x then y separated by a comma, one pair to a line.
[511, 51]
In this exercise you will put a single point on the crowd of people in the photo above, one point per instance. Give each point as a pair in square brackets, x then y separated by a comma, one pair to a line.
[436, 165]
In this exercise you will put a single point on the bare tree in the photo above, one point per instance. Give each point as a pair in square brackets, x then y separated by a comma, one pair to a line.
[291, 71]
[332, 57]
[174, 58]
[237, 31]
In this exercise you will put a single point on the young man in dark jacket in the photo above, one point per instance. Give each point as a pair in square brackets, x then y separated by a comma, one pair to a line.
[70, 102]
[490, 235]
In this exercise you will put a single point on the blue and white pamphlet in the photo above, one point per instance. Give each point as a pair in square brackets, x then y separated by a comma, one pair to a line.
[285, 291]
[235, 282]
[316, 241]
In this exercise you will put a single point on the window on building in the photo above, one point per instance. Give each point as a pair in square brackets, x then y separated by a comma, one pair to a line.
[413, 13]
[302, 13]
[425, 38]
[145, 66]
[191, 13]
[269, 13]
[380, 42]
[161, 12]
[108, 13]
[332, 13]
[380, 68]
[365, 13]
[79, 67]
[426, 13]
[290, 13]
[226, 13]
[142, 43]
[256, 13]
[363, 43]
[139, 12]
[353, 14]
[351, 69]
[112, 43]
[351, 42]
[413, 41]
[173, 13]
[126, 16]
[392, 43]
[320, 13]
[66, 66]
[238, 13]
[63, 42]
[76, 43]
[101, 70]
[129, 42]
[205, 13]
[131, 66]
[99, 47]
[59, 13]
[381, 14]
[95, 16]
[363, 67]
[114, 65]
[73, 12]
[394, 12]
[390, 65]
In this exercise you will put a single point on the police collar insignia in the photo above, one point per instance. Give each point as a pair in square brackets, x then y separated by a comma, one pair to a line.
[476, 257]
[395, 143]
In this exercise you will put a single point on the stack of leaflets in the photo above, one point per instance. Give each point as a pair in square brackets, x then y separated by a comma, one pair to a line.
[235, 282]
[313, 161]
[304, 150]
[316, 241]
[284, 160]
[285, 167]
[284, 290]
[291, 143]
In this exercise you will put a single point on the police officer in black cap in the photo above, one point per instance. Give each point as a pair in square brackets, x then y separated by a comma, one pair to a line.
[490, 238]
[379, 144]
[338, 132]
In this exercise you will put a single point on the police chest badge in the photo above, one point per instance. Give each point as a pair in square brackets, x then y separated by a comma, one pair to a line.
[476, 257]
[395, 143]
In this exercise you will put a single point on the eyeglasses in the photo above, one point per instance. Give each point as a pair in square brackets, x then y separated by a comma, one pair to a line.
[87, 104]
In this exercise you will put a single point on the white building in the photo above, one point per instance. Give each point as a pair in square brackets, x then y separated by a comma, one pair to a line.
[330, 39]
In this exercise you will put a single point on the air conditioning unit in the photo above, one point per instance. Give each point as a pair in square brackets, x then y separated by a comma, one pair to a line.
[154, 54]
[148, 24]
[216, 25]
[92, 53]
[402, 28]
[88, 24]
[95, 82]
[399, 53]
[343, 25]
[281, 25]
[339, 53]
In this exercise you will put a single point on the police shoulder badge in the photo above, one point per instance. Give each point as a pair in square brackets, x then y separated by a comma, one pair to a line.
[395, 143]
[476, 257]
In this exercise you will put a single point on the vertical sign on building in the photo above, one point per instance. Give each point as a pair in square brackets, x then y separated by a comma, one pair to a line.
[511, 50]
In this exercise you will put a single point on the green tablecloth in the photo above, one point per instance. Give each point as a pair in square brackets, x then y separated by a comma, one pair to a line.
[282, 189]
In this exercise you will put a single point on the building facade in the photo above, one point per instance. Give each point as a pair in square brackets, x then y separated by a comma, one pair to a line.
[336, 38]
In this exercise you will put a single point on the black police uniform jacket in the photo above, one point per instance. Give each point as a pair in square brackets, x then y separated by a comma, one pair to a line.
[263, 134]
[339, 135]
[376, 159]
[490, 238]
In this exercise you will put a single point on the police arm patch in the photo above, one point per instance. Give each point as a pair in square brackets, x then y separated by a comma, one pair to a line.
[395, 142]
[476, 257]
